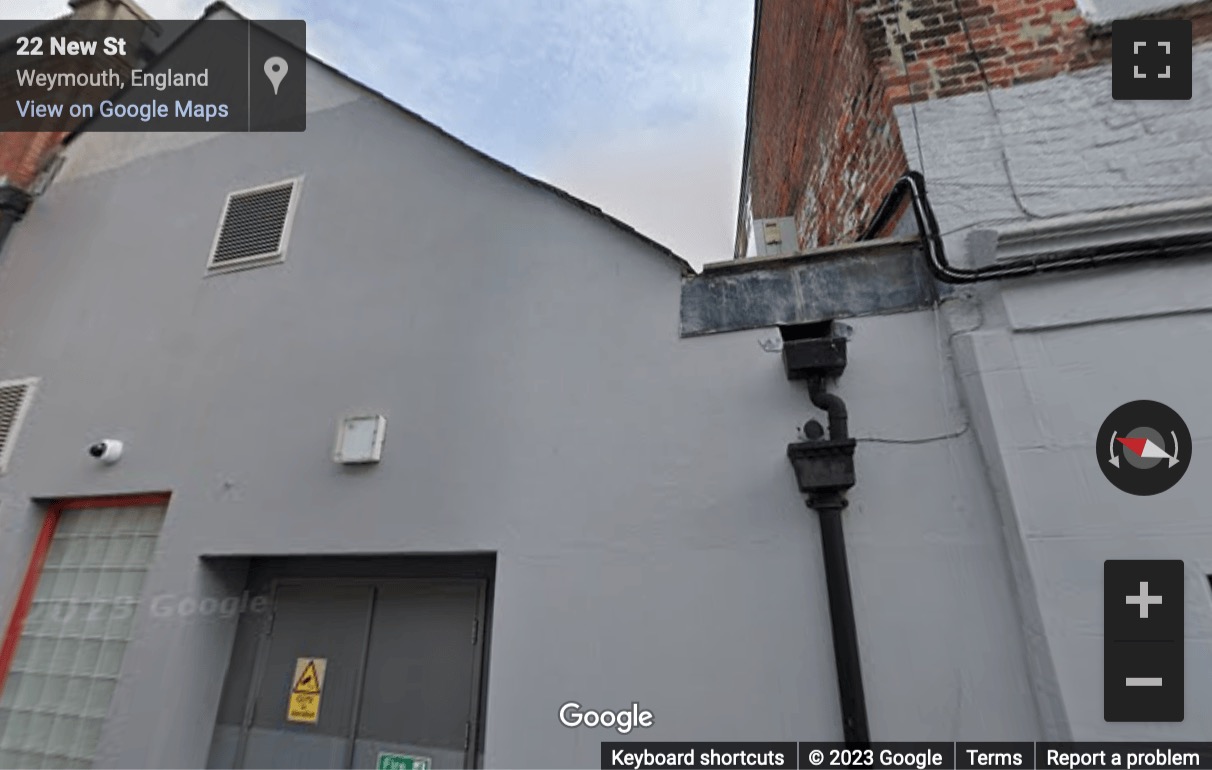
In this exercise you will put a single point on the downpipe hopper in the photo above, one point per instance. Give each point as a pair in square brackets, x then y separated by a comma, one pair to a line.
[824, 460]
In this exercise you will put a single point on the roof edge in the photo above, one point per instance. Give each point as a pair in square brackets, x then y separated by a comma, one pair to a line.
[220, 5]
[740, 248]
[9, 42]
[857, 248]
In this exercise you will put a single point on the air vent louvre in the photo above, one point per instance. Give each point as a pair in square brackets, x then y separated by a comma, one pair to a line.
[255, 226]
[15, 396]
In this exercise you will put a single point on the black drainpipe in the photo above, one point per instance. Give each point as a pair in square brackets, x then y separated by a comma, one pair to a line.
[824, 470]
[14, 202]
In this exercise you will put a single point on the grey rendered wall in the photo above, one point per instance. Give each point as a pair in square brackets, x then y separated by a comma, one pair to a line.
[1043, 361]
[934, 596]
[1071, 350]
[652, 546]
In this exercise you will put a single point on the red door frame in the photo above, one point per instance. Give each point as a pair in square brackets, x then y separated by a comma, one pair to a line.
[37, 560]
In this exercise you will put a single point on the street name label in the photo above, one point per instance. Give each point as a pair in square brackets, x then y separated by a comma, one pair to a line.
[213, 75]
[306, 690]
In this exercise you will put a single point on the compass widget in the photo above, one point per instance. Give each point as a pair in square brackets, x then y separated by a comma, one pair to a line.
[1143, 447]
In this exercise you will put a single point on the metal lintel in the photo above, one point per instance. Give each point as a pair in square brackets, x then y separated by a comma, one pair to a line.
[863, 279]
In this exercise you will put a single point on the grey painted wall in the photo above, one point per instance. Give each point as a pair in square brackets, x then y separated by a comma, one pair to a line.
[1044, 361]
[1042, 388]
[651, 544]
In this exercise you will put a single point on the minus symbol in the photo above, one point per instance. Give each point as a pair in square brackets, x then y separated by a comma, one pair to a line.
[1144, 681]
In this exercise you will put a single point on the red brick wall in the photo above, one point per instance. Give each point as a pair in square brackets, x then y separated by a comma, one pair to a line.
[937, 48]
[824, 146]
[22, 155]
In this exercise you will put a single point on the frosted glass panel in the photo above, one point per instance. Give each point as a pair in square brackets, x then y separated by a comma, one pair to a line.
[54, 703]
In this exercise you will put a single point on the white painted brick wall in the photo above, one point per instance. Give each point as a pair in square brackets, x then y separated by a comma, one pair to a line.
[1101, 10]
[1067, 145]
[1053, 356]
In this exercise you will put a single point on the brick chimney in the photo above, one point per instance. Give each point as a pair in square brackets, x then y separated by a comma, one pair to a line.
[823, 143]
[24, 154]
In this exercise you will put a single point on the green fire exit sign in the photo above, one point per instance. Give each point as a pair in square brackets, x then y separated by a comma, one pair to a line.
[388, 761]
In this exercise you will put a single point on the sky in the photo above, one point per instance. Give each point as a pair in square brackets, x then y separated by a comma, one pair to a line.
[637, 106]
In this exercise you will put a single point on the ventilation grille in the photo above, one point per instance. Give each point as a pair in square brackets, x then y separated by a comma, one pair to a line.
[14, 401]
[255, 226]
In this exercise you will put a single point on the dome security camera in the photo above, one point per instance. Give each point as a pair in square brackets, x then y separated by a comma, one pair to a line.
[107, 451]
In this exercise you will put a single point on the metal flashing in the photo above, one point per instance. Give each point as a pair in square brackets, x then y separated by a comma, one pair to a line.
[854, 280]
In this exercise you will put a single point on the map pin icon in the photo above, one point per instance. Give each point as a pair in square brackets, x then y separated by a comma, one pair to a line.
[275, 70]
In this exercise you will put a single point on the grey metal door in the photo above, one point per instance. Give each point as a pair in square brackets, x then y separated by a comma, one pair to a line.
[422, 674]
[323, 621]
[400, 661]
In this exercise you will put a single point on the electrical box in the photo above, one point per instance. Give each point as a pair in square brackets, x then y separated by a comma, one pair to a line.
[776, 237]
[360, 440]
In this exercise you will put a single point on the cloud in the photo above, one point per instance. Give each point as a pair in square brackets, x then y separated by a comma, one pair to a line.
[636, 106]
[49, 9]
[676, 184]
[513, 76]
[662, 148]
[160, 9]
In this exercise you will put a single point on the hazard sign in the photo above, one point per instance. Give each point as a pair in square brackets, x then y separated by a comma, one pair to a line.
[306, 688]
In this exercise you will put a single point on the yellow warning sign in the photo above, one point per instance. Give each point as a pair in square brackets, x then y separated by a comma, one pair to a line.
[309, 681]
[305, 692]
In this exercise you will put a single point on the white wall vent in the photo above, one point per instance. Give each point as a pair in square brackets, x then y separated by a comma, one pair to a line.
[15, 397]
[255, 227]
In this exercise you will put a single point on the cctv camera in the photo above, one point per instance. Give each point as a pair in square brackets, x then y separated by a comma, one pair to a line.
[107, 451]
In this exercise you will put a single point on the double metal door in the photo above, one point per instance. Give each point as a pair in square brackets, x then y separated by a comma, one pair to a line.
[360, 674]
